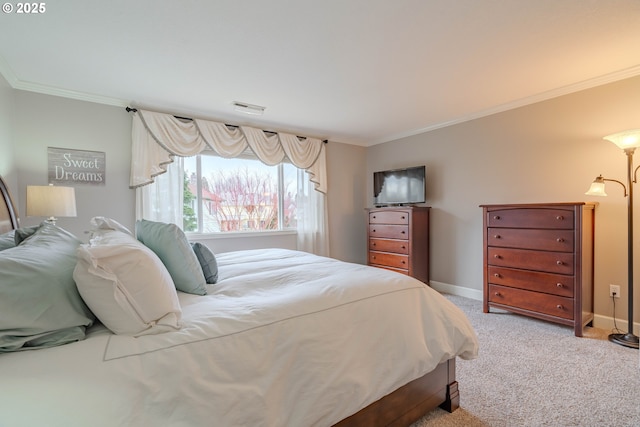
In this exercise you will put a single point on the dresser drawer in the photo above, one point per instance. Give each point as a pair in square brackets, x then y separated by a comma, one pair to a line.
[556, 284]
[531, 218]
[551, 262]
[386, 245]
[524, 238]
[389, 231]
[388, 217]
[397, 270]
[552, 305]
[387, 259]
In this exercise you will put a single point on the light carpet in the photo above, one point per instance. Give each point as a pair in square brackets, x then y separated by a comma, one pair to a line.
[536, 373]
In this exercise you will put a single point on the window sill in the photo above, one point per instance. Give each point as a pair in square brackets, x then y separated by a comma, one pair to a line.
[240, 234]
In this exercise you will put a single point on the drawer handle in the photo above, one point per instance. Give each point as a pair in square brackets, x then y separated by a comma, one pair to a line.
[402, 232]
[559, 240]
[559, 217]
[497, 256]
[403, 247]
[560, 285]
[373, 231]
[559, 262]
[374, 217]
[497, 236]
[496, 217]
[403, 262]
[403, 217]
[559, 307]
[496, 275]
[373, 244]
[497, 294]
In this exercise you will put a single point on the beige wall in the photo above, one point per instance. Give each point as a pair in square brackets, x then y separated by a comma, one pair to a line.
[347, 199]
[7, 110]
[545, 152]
[43, 121]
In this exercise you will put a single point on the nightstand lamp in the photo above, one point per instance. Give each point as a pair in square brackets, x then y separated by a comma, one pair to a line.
[51, 201]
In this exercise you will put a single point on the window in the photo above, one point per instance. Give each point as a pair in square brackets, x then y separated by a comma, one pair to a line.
[239, 194]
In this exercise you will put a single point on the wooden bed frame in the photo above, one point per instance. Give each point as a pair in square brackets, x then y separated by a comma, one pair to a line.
[8, 211]
[399, 408]
[411, 401]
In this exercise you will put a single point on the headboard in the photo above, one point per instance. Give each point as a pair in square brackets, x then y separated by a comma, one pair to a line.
[8, 211]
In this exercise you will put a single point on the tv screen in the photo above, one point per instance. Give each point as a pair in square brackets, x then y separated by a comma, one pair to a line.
[399, 186]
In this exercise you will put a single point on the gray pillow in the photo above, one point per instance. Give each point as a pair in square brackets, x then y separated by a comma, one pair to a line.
[25, 232]
[39, 303]
[173, 248]
[7, 240]
[207, 261]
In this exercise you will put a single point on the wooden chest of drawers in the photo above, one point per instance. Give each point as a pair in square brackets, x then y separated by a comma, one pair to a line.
[538, 261]
[399, 240]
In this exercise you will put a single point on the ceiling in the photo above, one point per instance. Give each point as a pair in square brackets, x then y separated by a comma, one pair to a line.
[355, 71]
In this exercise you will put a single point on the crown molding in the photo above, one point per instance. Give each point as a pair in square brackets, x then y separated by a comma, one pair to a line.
[18, 84]
[65, 93]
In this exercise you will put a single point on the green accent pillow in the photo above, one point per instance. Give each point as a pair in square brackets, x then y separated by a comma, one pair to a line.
[169, 242]
[39, 303]
[207, 261]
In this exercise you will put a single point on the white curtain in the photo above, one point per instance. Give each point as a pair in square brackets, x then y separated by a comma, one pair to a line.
[161, 200]
[312, 218]
[158, 137]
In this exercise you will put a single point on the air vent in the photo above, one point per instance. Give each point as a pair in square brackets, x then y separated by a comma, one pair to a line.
[243, 107]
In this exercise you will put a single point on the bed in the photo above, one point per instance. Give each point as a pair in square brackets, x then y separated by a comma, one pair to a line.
[283, 338]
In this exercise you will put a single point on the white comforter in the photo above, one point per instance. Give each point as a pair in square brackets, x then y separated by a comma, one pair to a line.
[284, 338]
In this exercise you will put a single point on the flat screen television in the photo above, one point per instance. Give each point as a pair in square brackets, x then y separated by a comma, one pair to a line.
[399, 186]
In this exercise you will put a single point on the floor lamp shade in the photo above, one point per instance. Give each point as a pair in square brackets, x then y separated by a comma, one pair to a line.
[625, 139]
[51, 201]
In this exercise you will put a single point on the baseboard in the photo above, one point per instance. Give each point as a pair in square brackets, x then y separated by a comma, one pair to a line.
[599, 321]
[606, 322]
[456, 290]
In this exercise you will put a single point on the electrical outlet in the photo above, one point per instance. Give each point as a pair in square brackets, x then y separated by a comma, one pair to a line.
[614, 291]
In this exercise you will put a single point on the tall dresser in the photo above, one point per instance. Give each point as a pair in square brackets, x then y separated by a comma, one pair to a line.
[399, 240]
[538, 261]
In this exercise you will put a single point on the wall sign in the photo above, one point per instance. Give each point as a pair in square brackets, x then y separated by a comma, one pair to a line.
[68, 166]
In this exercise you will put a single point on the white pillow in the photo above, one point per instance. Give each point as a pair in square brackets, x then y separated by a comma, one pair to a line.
[126, 285]
[104, 223]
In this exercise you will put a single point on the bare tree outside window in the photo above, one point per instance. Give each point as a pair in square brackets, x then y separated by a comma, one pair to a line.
[239, 195]
[247, 199]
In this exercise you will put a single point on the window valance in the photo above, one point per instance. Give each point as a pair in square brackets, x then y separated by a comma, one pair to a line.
[157, 137]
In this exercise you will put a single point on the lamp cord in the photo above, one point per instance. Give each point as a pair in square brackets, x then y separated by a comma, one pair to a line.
[615, 329]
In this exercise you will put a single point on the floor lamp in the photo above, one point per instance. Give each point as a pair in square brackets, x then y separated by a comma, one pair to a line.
[628, 141]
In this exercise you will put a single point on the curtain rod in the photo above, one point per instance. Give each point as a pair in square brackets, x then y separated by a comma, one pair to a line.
[133, 110]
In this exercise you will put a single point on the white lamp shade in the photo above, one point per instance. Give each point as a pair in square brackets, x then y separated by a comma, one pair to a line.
[597, 187]
[625, 139]
[51, 201]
